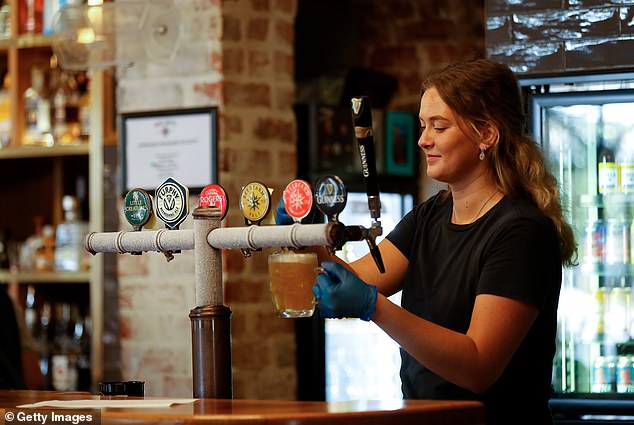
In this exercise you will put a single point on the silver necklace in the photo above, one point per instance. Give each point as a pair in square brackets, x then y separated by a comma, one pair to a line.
[455, 217]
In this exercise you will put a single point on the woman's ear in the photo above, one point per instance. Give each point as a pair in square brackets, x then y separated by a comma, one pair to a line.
[490, 136]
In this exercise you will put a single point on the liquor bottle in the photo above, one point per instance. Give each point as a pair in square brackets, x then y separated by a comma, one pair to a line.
[45, 252]
[30, 314]
[5, 112]
[84, 107]
[82, 350]
[63, 362]
[44, 344]
[65, 97]
[4, 248]
[69, 249]
[35, 16]
[37, 109]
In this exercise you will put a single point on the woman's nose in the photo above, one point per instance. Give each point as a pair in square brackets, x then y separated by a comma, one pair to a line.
[424, 141]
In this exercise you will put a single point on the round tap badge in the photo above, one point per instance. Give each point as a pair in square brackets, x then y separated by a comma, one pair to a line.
[331, 196]
[137, 207]
[298, 199]
[215, 196]
[255, 201]
[172, 202]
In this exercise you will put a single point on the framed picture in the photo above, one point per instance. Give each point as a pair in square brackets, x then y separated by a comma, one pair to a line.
[400, 144]
[337, 151]
[160, 144]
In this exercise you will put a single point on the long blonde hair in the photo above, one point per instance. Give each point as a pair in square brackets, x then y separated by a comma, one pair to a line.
[483, 92]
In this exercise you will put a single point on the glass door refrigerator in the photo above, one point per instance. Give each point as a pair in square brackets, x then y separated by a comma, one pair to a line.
[585, 124]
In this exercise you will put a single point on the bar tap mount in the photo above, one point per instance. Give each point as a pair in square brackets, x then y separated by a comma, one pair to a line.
[362, 123]
[210, 319]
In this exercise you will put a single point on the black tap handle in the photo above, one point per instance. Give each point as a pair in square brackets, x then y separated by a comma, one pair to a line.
[362, 123]
[376, 254]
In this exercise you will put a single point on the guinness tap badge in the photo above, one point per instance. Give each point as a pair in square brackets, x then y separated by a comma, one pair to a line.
[172, 202]
[137, 208]
[255, 202]
[330, 196]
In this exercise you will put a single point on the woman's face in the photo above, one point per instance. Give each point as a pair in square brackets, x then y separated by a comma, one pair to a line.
[452, 155]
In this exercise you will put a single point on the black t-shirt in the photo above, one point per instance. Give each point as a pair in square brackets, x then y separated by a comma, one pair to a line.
[511, 251]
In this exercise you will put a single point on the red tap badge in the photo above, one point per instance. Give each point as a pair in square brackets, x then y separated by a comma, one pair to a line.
[214, 196]
[298, 199]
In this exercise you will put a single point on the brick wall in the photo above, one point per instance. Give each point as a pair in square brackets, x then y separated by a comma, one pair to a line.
[244, 65]
[553, 36]
[408, 39]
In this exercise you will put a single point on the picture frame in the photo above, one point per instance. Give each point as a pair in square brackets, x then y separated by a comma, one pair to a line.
[400, 144]
[181, 144]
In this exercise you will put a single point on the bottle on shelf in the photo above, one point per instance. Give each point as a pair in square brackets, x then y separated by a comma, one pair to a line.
[625, 161]
[84, 106]
[5, 20]
[38, 111]
[43, 343]
[608, 172]
[69, 243]
[31, 16]
[5, 112]
[81, 350]
[65, 99]
[63, 359]
[4, 248]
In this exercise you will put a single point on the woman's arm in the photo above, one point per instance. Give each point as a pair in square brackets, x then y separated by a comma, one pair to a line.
[387, 283]
[474, 360]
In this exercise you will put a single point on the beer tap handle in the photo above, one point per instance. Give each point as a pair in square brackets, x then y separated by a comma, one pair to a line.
[376, 254]
[362, 122]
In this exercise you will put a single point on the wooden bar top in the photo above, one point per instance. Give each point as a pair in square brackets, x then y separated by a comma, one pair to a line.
[246, 412]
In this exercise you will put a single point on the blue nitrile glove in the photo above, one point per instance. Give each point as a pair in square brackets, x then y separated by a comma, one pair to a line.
[339, 293]
[281, 216]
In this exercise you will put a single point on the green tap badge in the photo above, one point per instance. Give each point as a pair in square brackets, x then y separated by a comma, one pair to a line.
[137, 207]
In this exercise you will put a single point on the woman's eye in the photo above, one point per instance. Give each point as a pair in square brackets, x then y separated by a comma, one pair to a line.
[439, 129]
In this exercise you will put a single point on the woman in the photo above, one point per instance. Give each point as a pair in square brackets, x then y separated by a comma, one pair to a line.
[479, 264]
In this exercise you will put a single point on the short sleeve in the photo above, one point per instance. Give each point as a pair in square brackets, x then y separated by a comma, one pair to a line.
[522, 262]
[403, 234]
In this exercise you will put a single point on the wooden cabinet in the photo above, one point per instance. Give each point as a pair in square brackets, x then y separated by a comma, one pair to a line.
[33, 180]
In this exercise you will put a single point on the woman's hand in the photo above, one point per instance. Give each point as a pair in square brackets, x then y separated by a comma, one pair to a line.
[339, 293]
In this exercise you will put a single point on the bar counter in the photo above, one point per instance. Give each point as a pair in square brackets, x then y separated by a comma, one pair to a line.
[247, 412]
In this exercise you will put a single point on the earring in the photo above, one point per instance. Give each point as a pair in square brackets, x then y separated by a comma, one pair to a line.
[481, 156]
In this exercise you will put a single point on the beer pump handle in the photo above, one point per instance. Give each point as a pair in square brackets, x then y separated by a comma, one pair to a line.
[362, 123]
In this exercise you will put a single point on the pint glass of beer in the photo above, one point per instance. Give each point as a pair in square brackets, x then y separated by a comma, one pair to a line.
[291, 278]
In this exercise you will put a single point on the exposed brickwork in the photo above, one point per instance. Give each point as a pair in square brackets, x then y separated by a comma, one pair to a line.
[557, 36]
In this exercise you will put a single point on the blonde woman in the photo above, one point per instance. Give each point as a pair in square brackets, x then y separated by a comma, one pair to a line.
[479, 264]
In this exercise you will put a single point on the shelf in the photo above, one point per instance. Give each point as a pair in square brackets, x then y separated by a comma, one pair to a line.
[605, 200]
[44, 277]
[43, 152]
[27, 41]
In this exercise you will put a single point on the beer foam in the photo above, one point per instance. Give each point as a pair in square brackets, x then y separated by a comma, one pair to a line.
[293, 258]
